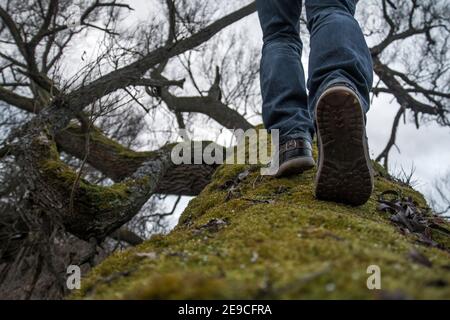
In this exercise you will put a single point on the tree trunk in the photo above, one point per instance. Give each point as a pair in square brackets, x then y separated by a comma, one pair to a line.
[248, 236]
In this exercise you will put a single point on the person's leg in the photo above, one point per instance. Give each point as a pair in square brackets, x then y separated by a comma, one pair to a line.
[339, 53]
[282, 77]
[340, 78]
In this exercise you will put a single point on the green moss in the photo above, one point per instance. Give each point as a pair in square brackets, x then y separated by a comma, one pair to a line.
[274, 241]
[87, 194]
[63, 178]
[380, 170]
[96, 136]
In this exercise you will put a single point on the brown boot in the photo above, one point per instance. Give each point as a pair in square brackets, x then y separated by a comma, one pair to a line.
[295, 156]
[344, 172]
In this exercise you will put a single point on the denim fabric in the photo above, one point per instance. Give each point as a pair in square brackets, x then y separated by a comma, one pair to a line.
[339, 54]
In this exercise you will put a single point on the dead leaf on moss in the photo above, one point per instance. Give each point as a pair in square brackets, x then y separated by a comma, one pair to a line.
[233, 183]
[212, 225]
[407, 214]
[244, 174]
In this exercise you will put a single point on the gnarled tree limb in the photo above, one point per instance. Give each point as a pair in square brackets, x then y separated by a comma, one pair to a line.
[118, 162]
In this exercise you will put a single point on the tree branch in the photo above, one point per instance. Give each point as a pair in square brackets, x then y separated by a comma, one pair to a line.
[126, 76]
[98, 210]
[118, 162]
[384, 155]
[401, 94]
[18, 101]
[207, 105]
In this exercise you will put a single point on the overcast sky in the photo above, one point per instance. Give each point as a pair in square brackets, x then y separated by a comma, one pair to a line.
[428, 149]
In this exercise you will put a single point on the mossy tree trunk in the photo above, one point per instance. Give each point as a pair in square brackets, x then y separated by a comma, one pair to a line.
[55, 197]
[58, 200]
[248, 236]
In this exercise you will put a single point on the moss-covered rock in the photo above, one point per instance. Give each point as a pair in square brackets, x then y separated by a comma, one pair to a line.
[261, 237]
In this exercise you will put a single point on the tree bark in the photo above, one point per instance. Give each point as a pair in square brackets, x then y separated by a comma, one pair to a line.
[118, 162]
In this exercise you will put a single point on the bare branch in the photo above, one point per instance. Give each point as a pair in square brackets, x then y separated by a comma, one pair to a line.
[127, 75]
[384, 155]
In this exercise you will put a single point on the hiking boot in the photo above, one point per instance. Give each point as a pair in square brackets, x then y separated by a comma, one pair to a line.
[344, 171]
[295, 156]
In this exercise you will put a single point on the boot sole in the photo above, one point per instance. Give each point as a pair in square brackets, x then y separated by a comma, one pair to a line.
[345, 171]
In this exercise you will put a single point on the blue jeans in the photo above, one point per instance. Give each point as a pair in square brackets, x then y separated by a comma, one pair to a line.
[339, 54]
